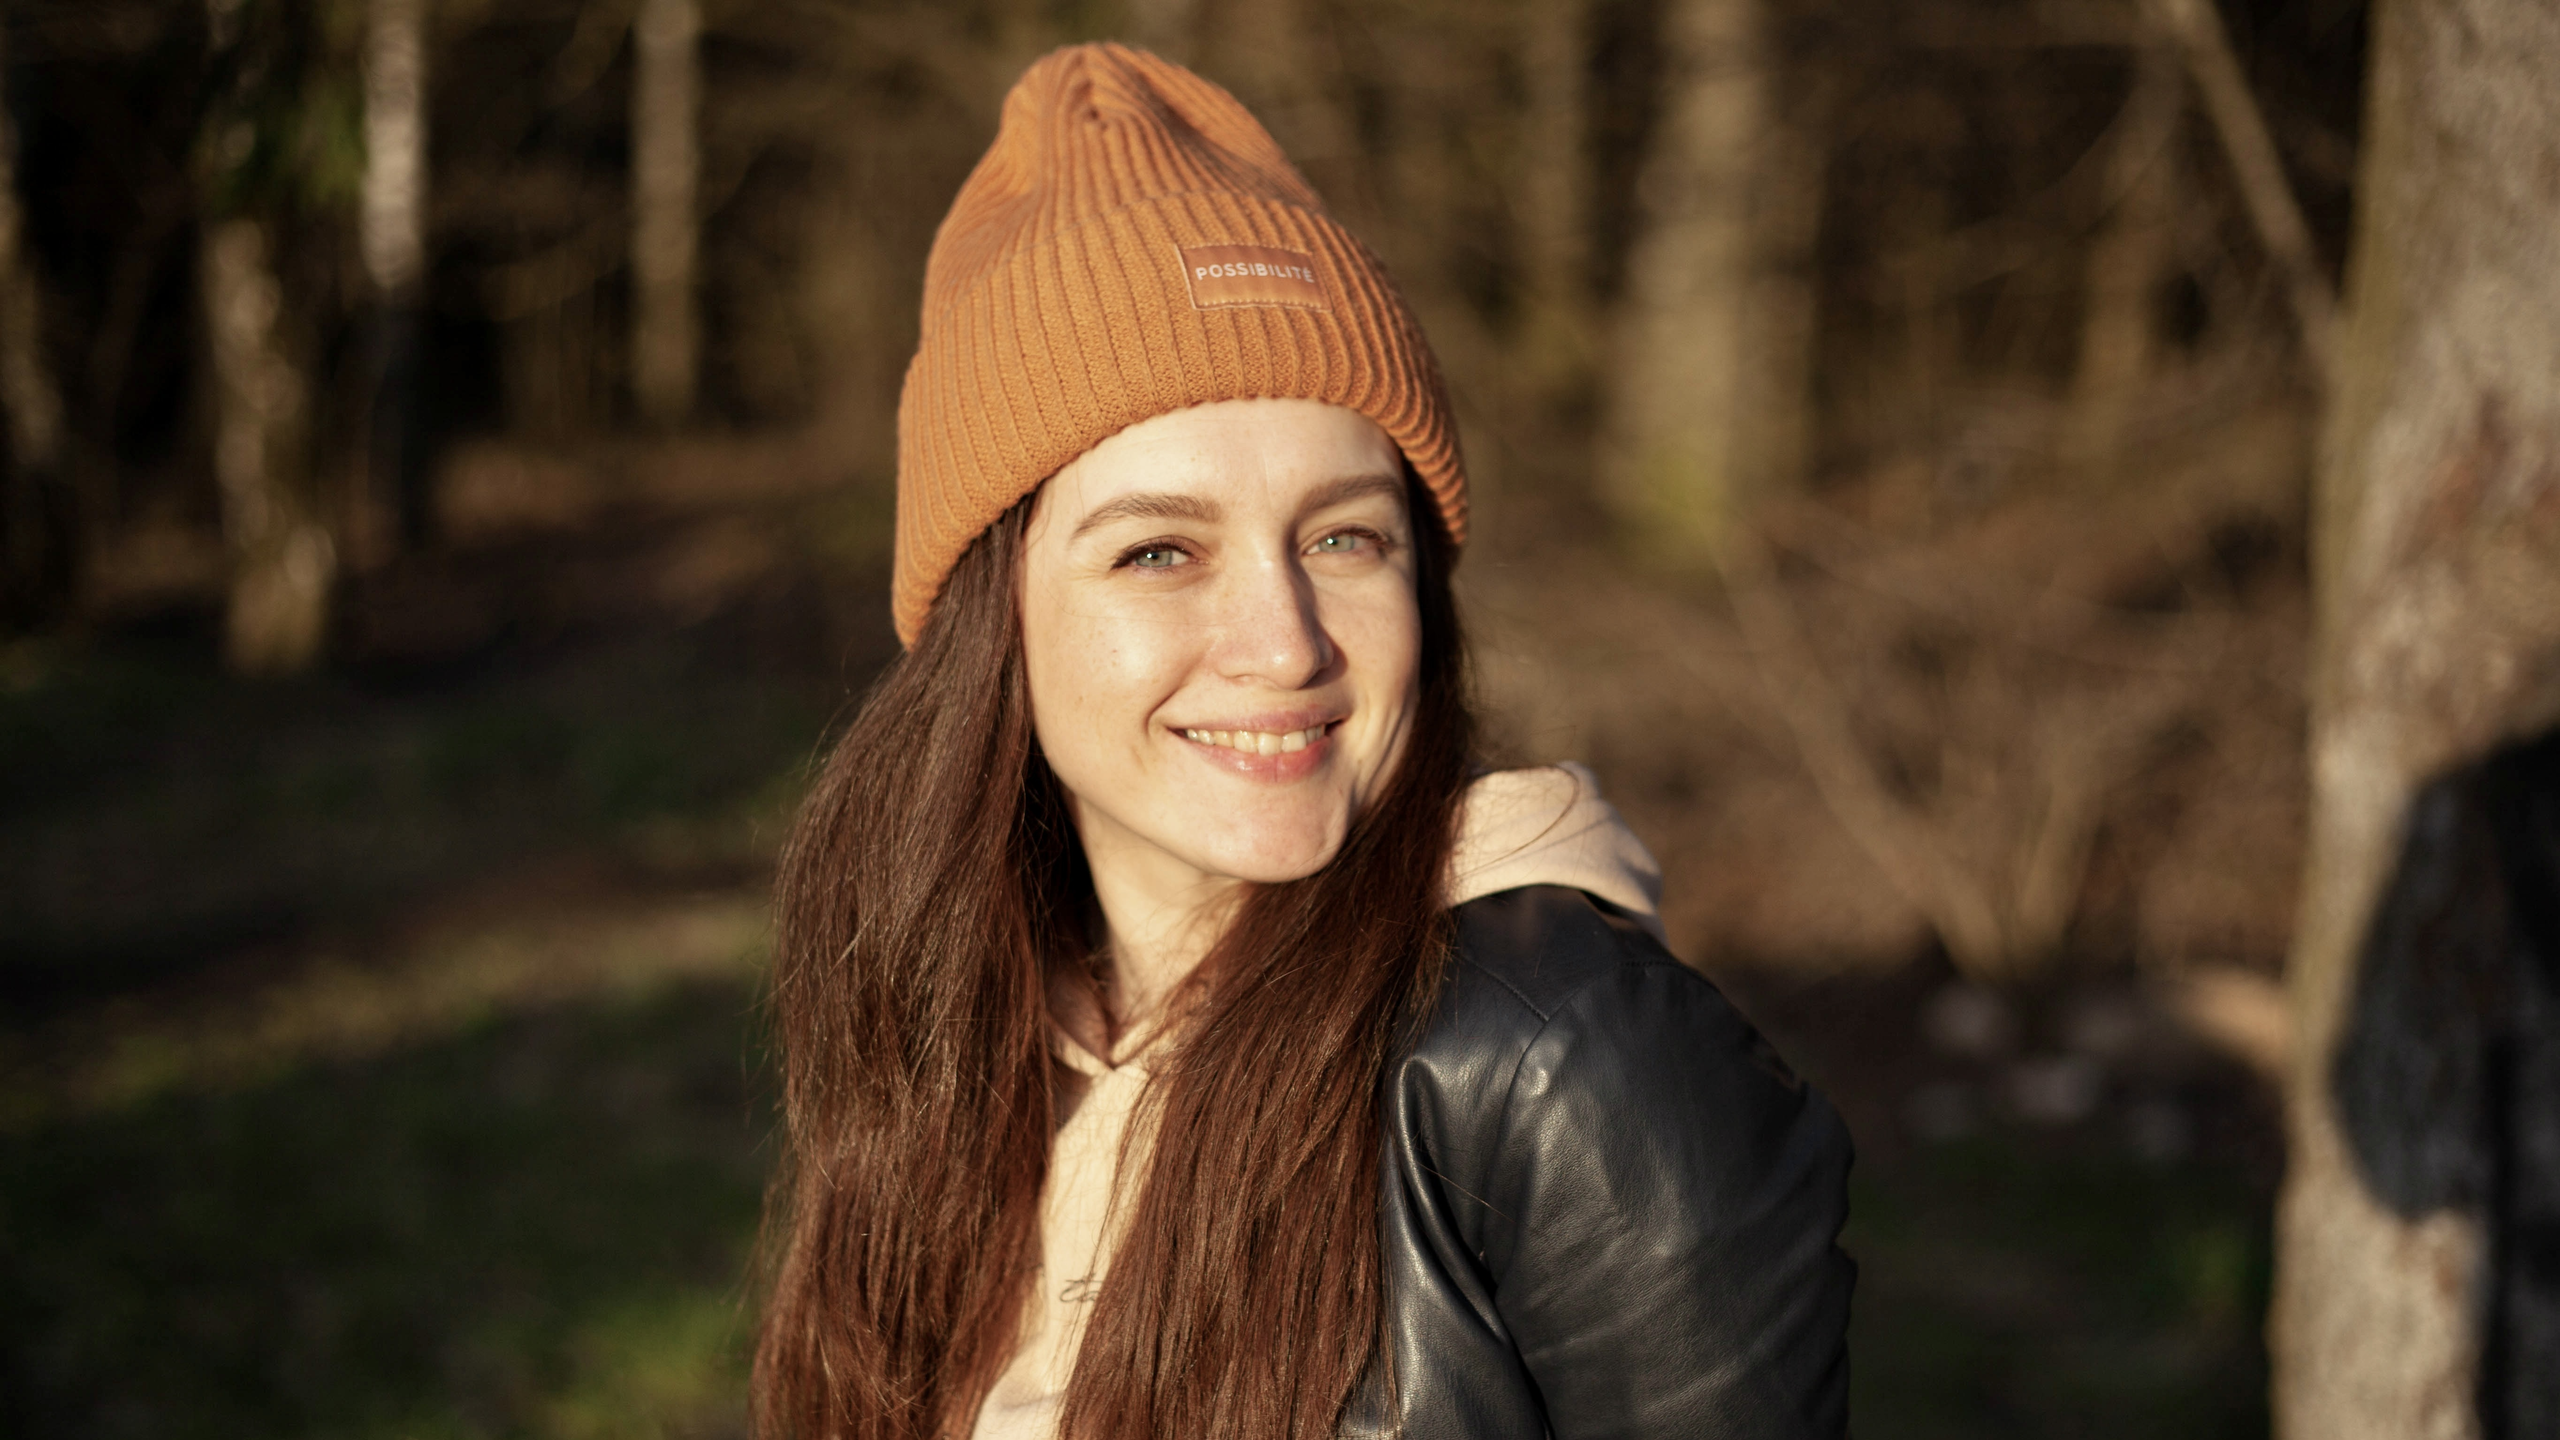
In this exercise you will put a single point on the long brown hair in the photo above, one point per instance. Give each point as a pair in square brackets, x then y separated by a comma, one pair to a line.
[931, 884]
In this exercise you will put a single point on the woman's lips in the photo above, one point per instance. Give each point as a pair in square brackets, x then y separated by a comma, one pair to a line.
[1290, 750]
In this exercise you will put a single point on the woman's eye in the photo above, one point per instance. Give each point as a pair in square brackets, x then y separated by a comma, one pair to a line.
[1154, 557]
[1342, 542]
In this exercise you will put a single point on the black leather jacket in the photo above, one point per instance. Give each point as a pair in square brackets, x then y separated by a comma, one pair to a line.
[1609, 1209]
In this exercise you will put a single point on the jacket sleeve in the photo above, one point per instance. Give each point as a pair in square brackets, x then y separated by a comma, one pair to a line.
[1668, 1197]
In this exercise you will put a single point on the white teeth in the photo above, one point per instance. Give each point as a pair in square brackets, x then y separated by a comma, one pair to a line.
[1258, 742]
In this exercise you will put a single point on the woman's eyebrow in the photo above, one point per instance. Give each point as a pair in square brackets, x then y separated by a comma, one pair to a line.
[1161, 505]
[1353, 487]
[1151, 506]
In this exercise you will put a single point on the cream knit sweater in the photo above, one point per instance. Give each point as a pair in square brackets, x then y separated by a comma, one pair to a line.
[1546, 826]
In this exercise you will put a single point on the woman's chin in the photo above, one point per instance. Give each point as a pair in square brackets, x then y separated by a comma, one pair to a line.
[1273, 858]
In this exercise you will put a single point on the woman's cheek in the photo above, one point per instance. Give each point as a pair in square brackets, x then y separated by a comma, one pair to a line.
[1131, 655]
[1124, 666]
[1377, 646]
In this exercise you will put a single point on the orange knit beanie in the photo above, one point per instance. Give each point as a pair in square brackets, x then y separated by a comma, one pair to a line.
[1134, 243]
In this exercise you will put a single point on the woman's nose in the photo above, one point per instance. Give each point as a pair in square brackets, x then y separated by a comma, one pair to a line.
[1269, 630]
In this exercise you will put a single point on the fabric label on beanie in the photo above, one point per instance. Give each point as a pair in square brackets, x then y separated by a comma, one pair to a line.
[1224, 275]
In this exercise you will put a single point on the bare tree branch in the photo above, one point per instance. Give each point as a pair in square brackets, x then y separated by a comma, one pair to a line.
[1817, 717]
[2273, 209]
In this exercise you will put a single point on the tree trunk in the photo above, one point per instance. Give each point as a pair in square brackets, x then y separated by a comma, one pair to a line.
[1272, 50]
[2437, 520]
[1556, 211]
[37, 537]
[666, 170]
[1708, 404]
[393, 241]
[2119, 331]
[282, 561]
[1164, 26]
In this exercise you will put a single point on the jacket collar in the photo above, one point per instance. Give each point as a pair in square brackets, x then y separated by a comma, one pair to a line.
[1549, 826]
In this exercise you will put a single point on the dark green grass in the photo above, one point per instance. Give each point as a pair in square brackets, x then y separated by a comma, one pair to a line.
[2008, 1288]
[537, 1228]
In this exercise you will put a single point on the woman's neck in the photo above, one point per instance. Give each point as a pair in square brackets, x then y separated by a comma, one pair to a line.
[1160, 916]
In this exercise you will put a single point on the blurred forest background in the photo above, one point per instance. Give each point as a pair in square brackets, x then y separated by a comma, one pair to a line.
[449, 466]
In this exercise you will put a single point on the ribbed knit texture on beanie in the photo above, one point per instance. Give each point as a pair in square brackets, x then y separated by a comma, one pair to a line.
[1135, 243]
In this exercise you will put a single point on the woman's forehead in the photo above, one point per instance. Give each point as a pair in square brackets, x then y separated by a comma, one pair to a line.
[1203, 462]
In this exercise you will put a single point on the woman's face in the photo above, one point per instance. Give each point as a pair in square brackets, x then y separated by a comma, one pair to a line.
[1222, 638]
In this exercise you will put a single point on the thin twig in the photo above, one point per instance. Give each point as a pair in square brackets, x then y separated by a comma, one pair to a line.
[2196, 28]
[2046, 619]
[1817, 718]
[2078, 764]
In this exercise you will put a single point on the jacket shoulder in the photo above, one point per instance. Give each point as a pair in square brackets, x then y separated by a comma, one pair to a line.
[1521, 958]
[1541, 944]
[1542, 956]
[1608, 1202]
[1554, 995]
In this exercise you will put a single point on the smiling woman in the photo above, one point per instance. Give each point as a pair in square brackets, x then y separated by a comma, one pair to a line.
[1222, 638]
[1180, 1037]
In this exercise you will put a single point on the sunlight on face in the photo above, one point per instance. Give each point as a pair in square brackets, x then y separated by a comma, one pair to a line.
[1222, 637]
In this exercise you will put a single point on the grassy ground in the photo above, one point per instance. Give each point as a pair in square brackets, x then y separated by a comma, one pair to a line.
[380, 1061]
[532, 1225]
[2006, 1292]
